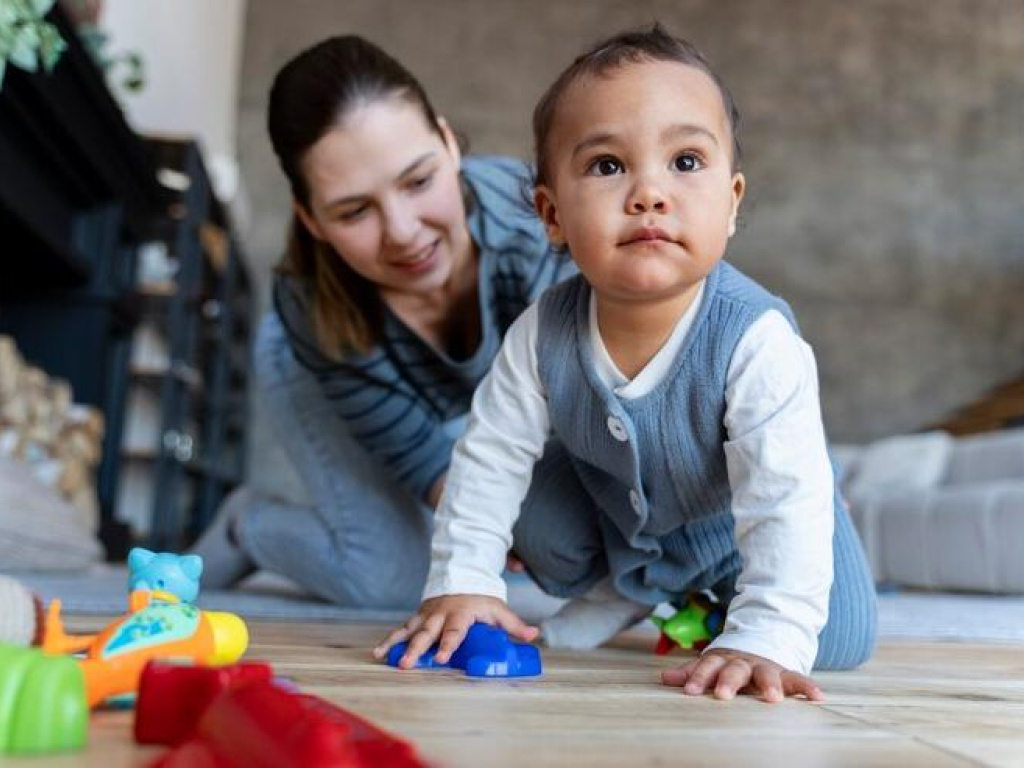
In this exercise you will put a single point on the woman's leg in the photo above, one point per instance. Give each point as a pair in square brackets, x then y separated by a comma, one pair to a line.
[848, 638]
[364, 541]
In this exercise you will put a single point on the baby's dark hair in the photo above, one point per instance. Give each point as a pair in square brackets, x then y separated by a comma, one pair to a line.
[654, 44]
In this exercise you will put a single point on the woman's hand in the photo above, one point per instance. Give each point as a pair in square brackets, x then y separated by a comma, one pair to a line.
[513, 564]
[434, 495]
[726, 673]
[449, 617]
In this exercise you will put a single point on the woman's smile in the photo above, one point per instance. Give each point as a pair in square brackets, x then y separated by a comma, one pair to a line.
[418, 261]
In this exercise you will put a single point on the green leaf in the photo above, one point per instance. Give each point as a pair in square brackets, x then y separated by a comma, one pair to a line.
[9, 16]
[51, 47]
[23, 53]
[3, 66]
[42, 7]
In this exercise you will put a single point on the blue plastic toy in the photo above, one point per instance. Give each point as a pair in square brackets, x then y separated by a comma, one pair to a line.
[485, 652]
[177, 575]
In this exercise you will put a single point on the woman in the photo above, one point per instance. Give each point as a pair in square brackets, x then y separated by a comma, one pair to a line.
[406, 265]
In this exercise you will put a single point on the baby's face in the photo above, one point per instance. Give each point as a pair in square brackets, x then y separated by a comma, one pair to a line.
[641, 182]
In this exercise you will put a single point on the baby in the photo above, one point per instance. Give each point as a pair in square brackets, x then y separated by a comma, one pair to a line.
[651, 427]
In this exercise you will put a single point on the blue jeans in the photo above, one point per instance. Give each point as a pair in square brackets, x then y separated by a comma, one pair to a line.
[364, 541]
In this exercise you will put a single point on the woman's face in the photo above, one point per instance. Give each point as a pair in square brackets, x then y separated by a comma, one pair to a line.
[384, 192]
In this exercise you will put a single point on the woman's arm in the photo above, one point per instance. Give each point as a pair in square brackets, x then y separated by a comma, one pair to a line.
[375, 400]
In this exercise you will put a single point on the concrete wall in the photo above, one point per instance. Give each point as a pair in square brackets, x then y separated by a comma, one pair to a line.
[192, 53]
[885, 160]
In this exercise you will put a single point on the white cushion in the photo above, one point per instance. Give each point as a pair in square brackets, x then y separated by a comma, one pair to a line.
[39, 531]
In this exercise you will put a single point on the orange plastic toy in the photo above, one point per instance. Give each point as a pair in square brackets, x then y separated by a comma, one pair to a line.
[157, 626]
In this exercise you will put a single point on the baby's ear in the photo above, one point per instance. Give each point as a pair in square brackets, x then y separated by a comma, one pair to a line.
[547, 212]
[739, 187]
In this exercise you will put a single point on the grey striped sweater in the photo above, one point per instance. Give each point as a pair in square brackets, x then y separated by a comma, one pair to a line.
[396, 399]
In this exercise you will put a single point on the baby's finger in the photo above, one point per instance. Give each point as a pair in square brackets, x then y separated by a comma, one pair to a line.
[397, 636]
[514, 625]
[704, 674]
[768, 680]
[732, 677]
[452, 635]
[421, 641]
[794, 684]
[677, 676]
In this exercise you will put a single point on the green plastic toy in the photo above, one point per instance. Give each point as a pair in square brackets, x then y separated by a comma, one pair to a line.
[691, 627]
[42, 703]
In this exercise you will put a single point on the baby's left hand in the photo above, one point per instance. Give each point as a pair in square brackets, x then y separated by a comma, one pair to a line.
[726, 673]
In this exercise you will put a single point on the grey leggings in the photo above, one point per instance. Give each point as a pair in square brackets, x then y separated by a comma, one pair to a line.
[564, 550]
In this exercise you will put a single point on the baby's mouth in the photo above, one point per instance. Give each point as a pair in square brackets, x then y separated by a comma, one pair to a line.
[648, 235]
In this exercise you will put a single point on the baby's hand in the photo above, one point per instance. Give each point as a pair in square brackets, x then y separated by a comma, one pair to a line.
[727, 672]
[449, 617]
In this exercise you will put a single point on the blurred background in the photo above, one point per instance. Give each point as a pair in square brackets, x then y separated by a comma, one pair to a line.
[884, 154]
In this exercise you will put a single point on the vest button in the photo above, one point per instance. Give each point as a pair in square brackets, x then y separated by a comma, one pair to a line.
[618, 429]
[634, 500]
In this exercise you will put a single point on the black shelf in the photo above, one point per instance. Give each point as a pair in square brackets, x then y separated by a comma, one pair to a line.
[79, 198]
[206, 336]
[78, 193]
[73, 172]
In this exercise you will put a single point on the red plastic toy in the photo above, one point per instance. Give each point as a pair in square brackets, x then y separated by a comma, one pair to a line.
[237, 716]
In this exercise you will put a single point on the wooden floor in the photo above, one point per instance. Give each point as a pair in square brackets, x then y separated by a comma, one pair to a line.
[915, 704]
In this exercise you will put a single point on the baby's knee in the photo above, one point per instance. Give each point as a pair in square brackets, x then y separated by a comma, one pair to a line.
[849, 646]
[561, 567]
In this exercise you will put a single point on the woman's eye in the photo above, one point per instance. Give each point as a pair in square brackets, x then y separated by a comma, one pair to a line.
[686, 163]
[421, 182]
[605, 166]
[352, 214]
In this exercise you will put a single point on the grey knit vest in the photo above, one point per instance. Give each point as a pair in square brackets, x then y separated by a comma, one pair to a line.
[654, 467]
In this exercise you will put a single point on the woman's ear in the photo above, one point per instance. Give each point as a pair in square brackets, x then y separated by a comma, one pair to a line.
[307, 220]
[739, 187]
[451, 141]
[547, 212]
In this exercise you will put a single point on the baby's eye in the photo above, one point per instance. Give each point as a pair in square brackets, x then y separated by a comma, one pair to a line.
[605, 166]
[686, 162]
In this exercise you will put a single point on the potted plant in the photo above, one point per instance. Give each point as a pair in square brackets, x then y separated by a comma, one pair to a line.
[27, 40]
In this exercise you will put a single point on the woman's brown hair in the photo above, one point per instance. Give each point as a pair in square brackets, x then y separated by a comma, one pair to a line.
[312, 94]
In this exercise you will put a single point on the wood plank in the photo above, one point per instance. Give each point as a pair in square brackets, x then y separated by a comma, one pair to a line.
[914, 704]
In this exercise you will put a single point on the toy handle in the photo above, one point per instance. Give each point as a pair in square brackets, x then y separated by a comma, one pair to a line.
[55, 640]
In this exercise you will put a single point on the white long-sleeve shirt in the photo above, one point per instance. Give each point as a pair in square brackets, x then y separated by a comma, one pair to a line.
[780, 477]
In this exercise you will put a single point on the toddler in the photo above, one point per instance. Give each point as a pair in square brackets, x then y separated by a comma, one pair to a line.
[651, 427]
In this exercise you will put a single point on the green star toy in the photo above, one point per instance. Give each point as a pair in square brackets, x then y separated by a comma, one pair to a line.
[692, 627]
